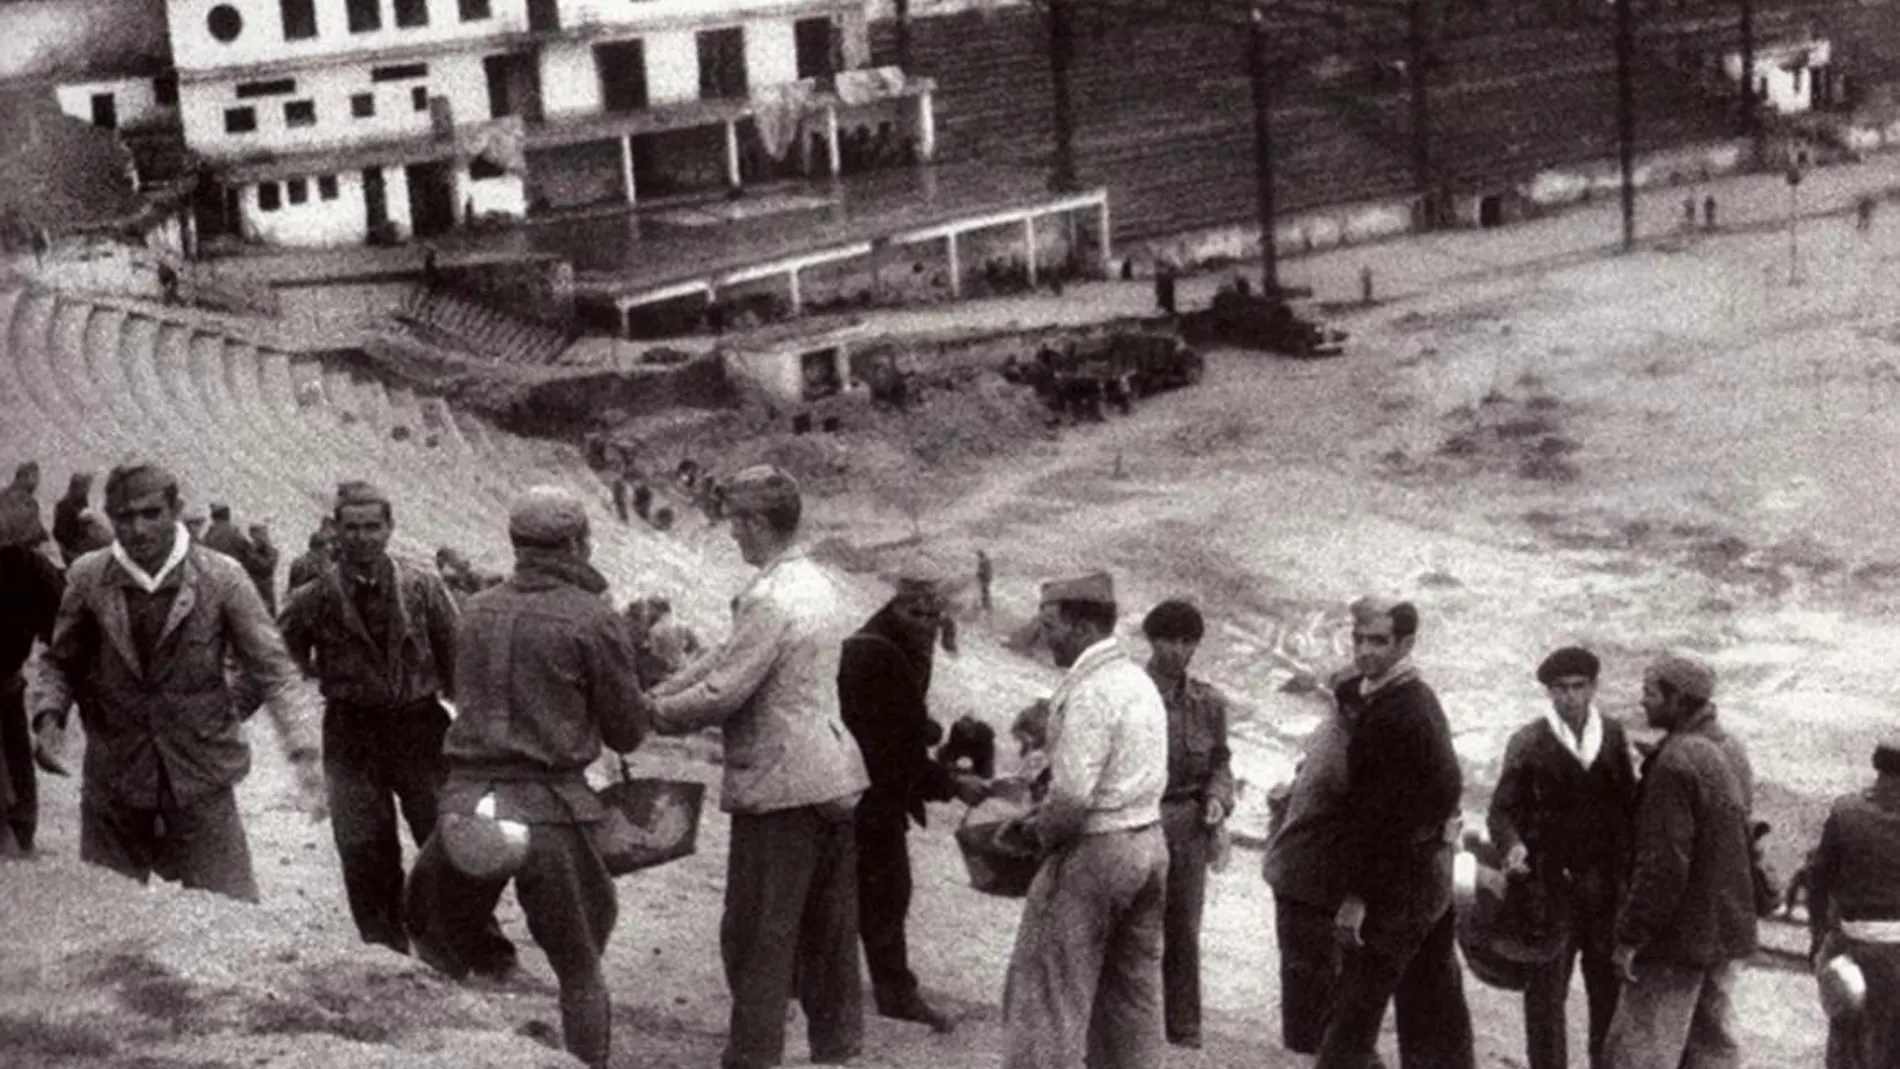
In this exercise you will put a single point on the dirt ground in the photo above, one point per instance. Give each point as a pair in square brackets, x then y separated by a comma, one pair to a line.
[1675, 447]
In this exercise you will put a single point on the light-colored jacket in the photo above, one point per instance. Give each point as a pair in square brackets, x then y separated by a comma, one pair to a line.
[181, 715]
[773, 689]
[1108, 740]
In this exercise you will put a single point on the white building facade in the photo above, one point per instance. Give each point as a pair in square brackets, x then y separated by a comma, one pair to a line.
[335, 122]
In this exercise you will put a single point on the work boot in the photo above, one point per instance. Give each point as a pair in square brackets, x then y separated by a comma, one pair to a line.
[913, 1008]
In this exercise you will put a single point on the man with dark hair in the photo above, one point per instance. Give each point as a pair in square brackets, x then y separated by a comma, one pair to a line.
[1084, 982]
[883, 693]
[319, 554]
[1854, 911]
[1402, 802]
[20, 521]
[793, 776]
[1688, 917]
[1560, 817]
[143, 638]
[1199, 796]
[73, 526]
[224, 536]
[545, 676]
[262, 565]
[30, 588]
[378, 635]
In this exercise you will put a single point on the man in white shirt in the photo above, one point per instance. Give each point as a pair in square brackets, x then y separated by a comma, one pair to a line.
[1084, 983]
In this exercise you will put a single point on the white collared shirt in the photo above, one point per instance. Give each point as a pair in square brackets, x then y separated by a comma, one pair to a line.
[1108, 740]
[1585, 748]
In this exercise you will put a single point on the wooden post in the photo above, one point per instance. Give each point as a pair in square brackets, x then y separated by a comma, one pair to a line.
[926, 127]
[626, 167]
[956, 268]
[1262, 81]
[798, 304]
[1108, 258]
[834, 159]
[1029, 246]
[732, 154]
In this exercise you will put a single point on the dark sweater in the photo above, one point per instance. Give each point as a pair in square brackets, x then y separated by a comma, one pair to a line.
[883, 688]
[1402, 785]
[30, 590]
[1575, 821]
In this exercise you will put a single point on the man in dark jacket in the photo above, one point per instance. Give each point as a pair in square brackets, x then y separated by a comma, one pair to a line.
[30, 588]
[20, 507]
[1401, 799]
[883, 690]
[1561, 817]
[70, 529]
[1854, 909]
[379, 637]
[262, 565]
[318, 556]
[1688, 918]
[224, 536]
[546, 676]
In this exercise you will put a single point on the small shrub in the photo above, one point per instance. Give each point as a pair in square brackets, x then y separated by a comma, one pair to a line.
[36, 1039]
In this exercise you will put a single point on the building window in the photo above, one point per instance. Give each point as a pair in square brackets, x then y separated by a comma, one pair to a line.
[165, 90]
[298, 189]
[281, 87]
[224, 23]
[269, 197]
[399, 72]
[300, 19]
[816, 53]
[722, 64]
[420, 97]
[300, 113]
[412, 12]
[240, 120]
[365, 15]
[473, 10]
[482, 168]
[363, 105]
[105, 111]
[326, 186]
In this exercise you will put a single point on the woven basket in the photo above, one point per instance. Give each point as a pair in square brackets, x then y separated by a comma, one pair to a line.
[998, 861]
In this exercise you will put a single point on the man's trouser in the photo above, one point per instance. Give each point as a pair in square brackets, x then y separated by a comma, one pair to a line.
[1546, 1033]
[1189, 841]
[1412, 966]
[791, 927]
[201, 843]
[371, 759]
[884, 890]
[1675, 1017]
[1084, 983]
[1309, 972]
[20, 793]
[568, 899]
[1869, 1039]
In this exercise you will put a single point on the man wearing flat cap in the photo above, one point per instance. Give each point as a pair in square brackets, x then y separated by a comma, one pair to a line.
[883, 693]
[1084, 982]
[378, 635]
[793, 776]
[1688, 916]
[544, 673]
[143, 637]
[1854, 910]
[1401, 803]
[1560, 817]
[223, 534]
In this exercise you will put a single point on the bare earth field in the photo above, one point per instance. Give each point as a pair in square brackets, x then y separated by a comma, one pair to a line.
[1676, 447]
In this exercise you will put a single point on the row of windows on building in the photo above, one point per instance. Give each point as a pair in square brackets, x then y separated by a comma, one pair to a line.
[297, 113]
[271, 195]
[226, 23]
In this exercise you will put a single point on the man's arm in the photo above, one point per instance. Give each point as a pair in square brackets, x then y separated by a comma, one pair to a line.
[69, 652]
[441, 618]
[298, 626]
[620, 707]
[1506, 818]
[1820, 870]
[724, 679]
[1220, 779]
[1079, 748]
[266, 665]
[1665, 836]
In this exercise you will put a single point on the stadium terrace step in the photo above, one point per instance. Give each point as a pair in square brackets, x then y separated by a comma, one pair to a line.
[450, 318]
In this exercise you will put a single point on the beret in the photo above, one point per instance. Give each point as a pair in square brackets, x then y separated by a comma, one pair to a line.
[1098, 587]
[1685, 673]
[358, 492]
[758, 488]
[547, 516]
[1569, 661]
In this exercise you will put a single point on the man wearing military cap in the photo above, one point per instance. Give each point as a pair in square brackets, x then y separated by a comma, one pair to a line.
[143, 637]
[545, 676]
[1560, 816]
[224, 536]
[793, 775]
[378, 635]
[883, 692]
[1854, 911]
[1084, 982]
[1688, 916]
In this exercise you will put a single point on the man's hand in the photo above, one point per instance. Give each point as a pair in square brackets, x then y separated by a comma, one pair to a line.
[972, 790]
[312, 794]
[1347, 922]
[1623, 960]
[49, 743]
[1517, 860]
[1214, 813]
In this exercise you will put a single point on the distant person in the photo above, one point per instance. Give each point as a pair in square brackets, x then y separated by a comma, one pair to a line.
[20, 521]
[1864, 213]
[793, 776]
[195, 527]
[461, 577]
[223, 535]
[262, 565]
[316, 559]
[1688, 917]
[620, 499]
[642, 501]
[1854, 912]
[1708, 212]
[378, 636]
[143, 640]
[69, 516]
[545, 677]
[30, 588]
[1198, 799]
[1560, 817]
[1165, 287]
[985, 575]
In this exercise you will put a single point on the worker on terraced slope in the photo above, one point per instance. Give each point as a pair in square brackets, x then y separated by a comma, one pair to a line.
[1084, 981]
[378, 635]
[143, 637]
[793, 775]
